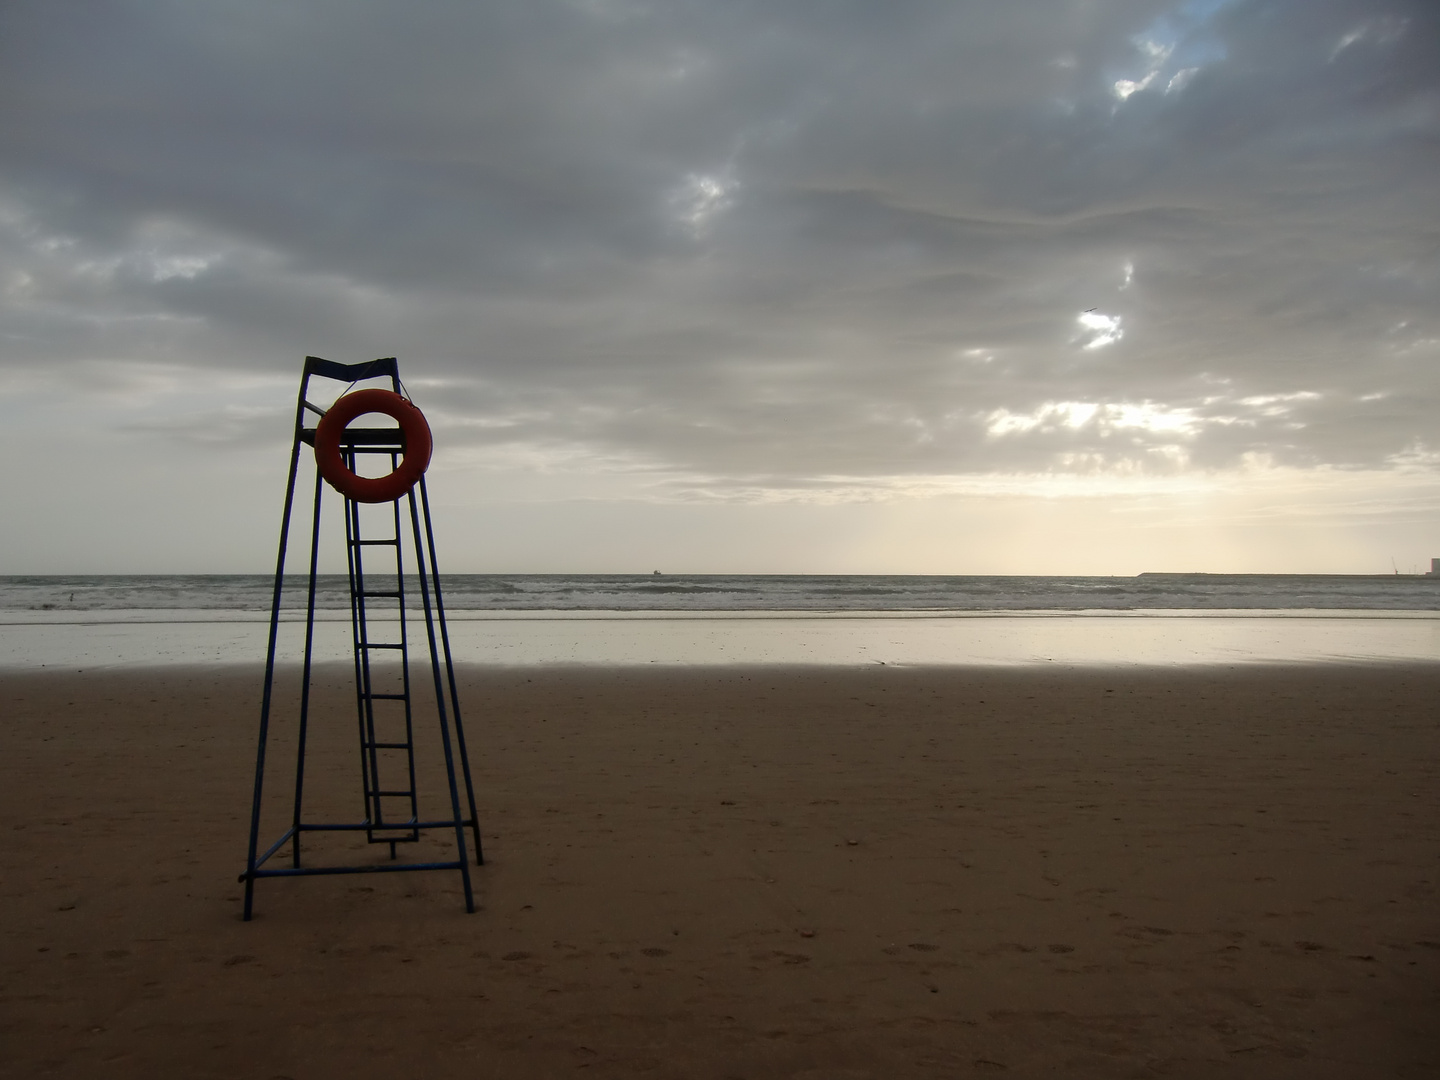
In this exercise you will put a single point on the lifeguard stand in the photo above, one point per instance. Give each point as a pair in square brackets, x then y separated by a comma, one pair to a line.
[386, 741]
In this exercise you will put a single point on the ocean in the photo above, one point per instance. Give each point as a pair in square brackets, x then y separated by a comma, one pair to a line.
[473, 593]
[80, 622]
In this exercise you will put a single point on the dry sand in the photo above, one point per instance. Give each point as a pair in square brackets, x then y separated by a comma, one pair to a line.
[763, 872]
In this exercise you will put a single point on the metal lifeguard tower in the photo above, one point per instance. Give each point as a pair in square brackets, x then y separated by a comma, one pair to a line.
[386, 719]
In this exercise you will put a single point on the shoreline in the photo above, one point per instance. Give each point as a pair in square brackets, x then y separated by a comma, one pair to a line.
[290, 614]
[970, 639]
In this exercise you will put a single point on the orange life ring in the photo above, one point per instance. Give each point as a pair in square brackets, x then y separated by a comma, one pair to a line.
[331, 462]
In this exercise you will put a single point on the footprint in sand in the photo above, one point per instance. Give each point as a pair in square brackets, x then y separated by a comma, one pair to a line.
[783, 957]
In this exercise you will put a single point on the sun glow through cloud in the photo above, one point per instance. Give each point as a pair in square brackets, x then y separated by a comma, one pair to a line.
[1100, 329]
[701, 198]
[1105, 418]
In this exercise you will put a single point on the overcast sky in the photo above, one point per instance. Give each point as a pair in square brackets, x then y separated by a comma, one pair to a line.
[1060, 286]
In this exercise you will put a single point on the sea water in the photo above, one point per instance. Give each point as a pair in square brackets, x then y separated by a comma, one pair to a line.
[744, 593]
[1161, 619]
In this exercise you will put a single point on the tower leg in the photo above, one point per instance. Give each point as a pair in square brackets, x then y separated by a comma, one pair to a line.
[440, 690]
[450, 677]
[305, 679]
[265, 697]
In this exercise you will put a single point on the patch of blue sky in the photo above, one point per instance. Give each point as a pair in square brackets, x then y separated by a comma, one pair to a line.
[1187, 34]
[1173, 47]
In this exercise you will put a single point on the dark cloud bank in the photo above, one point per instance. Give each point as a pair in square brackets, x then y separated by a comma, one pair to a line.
[757, 241]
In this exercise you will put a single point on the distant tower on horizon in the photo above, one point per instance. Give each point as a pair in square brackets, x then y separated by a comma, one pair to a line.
[1435, 566]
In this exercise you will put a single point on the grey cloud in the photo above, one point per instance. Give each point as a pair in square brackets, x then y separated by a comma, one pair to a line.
[758, 240]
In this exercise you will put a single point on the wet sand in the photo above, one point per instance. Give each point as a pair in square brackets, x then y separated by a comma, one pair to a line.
[746, 872]
[706, 639]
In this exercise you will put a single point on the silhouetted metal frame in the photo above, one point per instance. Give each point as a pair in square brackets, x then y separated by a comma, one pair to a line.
[446, 694]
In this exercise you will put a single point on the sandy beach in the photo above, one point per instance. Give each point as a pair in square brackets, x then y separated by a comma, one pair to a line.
[748, 872]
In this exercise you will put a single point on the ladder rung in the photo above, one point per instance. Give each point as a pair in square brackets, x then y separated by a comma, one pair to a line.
[375, 543]
[384, 697]
[386, 745]
[394, 794]
[384, 645]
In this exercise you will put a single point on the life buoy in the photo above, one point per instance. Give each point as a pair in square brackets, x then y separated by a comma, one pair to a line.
[331, 463]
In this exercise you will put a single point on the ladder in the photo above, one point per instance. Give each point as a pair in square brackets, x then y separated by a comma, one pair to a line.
[383, 693]
[383, 779]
